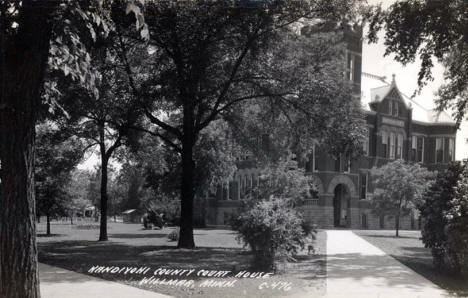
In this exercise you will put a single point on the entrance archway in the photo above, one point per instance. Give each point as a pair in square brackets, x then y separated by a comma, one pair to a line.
[341, 206]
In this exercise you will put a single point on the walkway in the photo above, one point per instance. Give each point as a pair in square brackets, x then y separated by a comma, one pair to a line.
[60, 283]
[355, 268]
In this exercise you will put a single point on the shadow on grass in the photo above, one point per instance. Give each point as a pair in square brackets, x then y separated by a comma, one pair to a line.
[81, 255]
[51, 235]
[355, 266]
[456, 285]
[390, 236]
[130, 236]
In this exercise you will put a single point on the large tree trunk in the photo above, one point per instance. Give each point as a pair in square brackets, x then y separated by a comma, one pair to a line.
[23, 60]
[187, 184]
[48, 224]
[103, 226]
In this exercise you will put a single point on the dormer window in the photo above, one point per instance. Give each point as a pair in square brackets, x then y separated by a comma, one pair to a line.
[395, 109]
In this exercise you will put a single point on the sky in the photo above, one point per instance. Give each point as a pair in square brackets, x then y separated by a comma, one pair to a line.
[374, 62]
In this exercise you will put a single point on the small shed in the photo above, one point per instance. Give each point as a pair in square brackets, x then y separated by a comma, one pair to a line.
[89, 211]
[132, 216]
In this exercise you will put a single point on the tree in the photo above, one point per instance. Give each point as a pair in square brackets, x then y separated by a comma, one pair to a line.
[428, 29]
[399, 187]
[77, 192]
[104, 117]
[436, 204]
[26, 31]
[23, 56]
[56, 156]
[202, 60]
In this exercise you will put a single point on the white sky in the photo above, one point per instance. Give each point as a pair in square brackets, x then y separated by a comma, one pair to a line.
[406, 78]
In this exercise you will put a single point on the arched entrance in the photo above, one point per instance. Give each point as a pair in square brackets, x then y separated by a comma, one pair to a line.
[341, 206]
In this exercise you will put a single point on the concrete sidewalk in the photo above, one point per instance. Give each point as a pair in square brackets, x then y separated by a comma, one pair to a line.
[60, 283]
[355, 268]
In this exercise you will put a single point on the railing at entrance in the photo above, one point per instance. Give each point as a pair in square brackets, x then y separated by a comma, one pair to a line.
[311, 202]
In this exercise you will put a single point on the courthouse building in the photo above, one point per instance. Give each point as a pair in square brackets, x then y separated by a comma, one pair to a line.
[397, 127]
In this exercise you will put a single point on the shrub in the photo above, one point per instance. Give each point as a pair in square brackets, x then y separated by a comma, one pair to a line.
[445, 214]
[271, 228]
[174, 234]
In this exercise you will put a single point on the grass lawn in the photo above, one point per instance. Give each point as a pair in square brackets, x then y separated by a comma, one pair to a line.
[74, 247]
[410, 250]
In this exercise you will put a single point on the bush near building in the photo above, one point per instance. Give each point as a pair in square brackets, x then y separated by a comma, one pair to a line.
[270, 224]
[272, 228]
[445, 214]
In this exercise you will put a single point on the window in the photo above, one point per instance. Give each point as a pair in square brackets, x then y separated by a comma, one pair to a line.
[364, 178]
[420, 149]
[384, 144]
[311, 164]
[390, 107]
[226, 191]
[343, 164]
[451, 150]
[365, 144]
[338, 164]
[399, 153]
[314, 159]
[395, 109]
[414, 146]
[439, 153]
[350, 67]
[347, 166]
[392, 145]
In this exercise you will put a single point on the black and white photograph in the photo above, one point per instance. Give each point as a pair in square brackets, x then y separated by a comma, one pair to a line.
[233, 148]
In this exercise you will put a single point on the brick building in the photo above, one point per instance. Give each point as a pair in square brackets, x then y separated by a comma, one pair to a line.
[397, 126]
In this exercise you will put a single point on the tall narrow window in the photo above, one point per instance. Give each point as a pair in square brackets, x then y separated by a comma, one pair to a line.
[414, 146]
[315, 161]
[395, 109]
[451, 150]
[390, 107]
[338, 164]
[439, 150]
[384, 144]
[350, 67]
[365, 144]
[420, 150]
[347, 165]
[364, 178]
[399, 153]
[392, 145]
[311, 164]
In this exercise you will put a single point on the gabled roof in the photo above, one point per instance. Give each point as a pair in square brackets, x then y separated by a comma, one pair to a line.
[374, 89]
